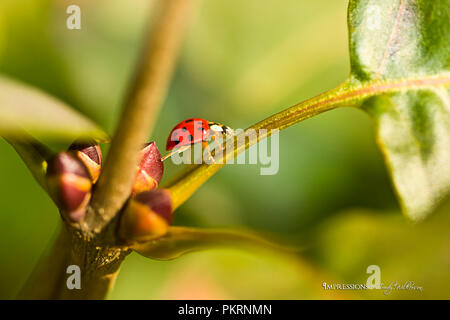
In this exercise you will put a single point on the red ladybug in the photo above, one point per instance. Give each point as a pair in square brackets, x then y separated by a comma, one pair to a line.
[192, 131]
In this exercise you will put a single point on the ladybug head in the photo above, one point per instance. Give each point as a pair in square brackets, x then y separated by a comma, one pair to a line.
[221, 129]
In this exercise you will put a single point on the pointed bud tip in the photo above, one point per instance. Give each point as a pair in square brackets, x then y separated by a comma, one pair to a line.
[90, 148]
[150, 169]
[151, 161]
[90, 154]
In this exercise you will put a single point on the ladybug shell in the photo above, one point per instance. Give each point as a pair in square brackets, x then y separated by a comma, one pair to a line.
[187, 132]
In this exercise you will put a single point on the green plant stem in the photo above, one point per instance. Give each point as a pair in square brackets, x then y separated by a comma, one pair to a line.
[350, 93]
[146, 95]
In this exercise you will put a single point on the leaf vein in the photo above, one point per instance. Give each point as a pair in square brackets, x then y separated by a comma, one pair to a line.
[391, 39]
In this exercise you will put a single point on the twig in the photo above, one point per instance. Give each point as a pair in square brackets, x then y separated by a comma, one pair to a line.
[98, 260]
[146, 95]
[350, 93]
[189, 181]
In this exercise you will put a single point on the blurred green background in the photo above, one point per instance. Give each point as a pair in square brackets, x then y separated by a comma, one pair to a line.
[242, 61]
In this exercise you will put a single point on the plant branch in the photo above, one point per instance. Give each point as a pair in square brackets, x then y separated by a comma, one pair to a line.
[80, 245]
[144, 100]
[350, 93]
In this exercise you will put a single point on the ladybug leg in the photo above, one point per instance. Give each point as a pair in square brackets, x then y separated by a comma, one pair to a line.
[208, 151]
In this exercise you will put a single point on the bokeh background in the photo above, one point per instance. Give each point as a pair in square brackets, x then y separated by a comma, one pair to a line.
[242, 61]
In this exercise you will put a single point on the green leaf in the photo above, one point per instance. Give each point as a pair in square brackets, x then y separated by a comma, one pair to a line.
[24, 108]
[34, 155]
[406, 42]
[181, 240]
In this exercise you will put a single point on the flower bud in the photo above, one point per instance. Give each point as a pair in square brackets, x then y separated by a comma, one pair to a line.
[146, 216]
[150, 169]
[69, 184]
[91, 155]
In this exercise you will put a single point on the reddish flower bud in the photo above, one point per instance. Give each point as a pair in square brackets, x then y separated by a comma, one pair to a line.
[146, 216]
[91, 155]
[150, 169]
[69, 184]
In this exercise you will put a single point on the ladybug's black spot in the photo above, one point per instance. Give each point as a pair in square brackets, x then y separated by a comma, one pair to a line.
[184, 129]
[190, 137]
[177, 141]
[201, 128]
[189, 120]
